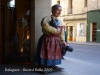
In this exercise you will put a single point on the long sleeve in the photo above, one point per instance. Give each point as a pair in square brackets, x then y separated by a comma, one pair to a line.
[62, 35]
[46, 27]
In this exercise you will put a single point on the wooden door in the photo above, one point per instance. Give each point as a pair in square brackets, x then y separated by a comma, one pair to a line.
[71, 33]
[94, 32]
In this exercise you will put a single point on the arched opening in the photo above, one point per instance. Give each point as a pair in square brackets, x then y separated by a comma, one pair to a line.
[70, 31]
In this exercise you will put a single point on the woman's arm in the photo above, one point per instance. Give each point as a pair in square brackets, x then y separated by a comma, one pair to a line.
[62, 35]
[45, 25]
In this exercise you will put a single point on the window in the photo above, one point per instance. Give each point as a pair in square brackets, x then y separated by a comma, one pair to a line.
[80, 29]
[58, 2]
[85, 3]
[70, 5]
[11, 3]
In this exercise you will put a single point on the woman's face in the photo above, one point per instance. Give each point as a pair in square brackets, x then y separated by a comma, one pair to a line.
[56, 12]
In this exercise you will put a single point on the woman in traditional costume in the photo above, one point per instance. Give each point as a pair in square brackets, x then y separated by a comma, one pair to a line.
[49, 45]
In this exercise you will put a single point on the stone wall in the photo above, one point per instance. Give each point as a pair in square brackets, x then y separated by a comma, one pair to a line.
[93, 4]
[78, 6]
[39, 9]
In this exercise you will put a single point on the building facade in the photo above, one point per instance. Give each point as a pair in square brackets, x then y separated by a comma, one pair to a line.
[93, 19]
[74, 16]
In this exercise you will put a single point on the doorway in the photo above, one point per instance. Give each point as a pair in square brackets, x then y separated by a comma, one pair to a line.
[16, 27]
[94, 31]
[20, 40]
[69, 30]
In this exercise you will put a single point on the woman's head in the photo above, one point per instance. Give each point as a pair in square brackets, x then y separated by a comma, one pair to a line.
[56, 10]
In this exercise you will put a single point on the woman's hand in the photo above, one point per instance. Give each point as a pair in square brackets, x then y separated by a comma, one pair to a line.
[64, 43]
[58, 30]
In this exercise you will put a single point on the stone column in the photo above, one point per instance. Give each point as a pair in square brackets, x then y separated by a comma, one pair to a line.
[39, 9]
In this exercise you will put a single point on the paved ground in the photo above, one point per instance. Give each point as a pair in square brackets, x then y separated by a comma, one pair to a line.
[90, 53]
[72, 66]
[84, 43]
